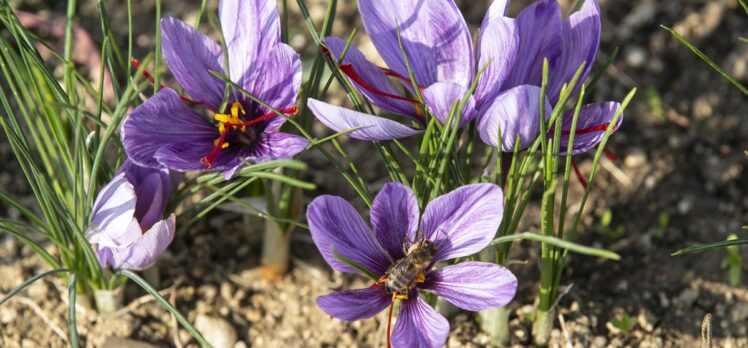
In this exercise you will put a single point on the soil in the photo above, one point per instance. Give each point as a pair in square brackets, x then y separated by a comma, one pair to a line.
[680, 180]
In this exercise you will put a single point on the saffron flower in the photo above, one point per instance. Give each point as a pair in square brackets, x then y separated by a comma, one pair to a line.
[127, 228]
[458, 224]
[512, 101]
[165, 131]
[439, 48]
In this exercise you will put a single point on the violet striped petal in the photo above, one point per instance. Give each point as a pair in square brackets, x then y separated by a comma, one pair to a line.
[394, 216]
[355, 304]
[113, 209]
[540, 36]
[273, 146]
[337, 228]
[516, 113]
[440, 97]
[190, 56]
[251, 29]
[464, 221]
[276, 80]
[473, 286]
[419, 326]
[371, 80]
[368, 127]
[144, 251]
[591, 125]
[498, 42]
[434, 35]
[163, 120]
[581, 41]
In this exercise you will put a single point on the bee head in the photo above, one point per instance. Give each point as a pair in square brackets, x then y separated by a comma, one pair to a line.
[423, 250]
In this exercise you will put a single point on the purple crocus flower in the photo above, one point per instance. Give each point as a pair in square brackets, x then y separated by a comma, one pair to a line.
[439, 48]
[127, 228]
[166, 132]
[511, 103]
[458, 224]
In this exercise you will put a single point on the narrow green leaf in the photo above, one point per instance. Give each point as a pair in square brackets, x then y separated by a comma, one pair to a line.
[704, 247]
[30, 281]
[707, 60]
[355, 265]
[560, 243]
[166, 305]
[72, 326]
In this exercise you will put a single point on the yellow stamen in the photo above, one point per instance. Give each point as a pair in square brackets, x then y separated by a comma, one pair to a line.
[401, 296]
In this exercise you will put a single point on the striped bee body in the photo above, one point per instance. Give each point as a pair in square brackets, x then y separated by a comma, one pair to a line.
[409, 270]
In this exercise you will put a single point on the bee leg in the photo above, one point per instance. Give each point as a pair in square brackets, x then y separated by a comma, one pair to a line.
[400, 296]
[420, 278]
[379, 282]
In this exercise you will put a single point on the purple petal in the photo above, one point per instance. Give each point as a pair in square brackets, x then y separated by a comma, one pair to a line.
[107, 243]
[251, 29]
[515, 112]
[394, 216]
[580, 43]
[190, 55]
[337, 227]
[277, 79]
[146, 249]
[114, 208]
[163, 120]
[187, 156]
[356, 304]
[152, 188]
[371, 80]
[273, 146]
[368, 127]
[498, 43]
[151, 200]
[464, 221]
[591, 125]
[419, 326]
[540, 28]
[473, 286]
[440, 97]
[434, 34]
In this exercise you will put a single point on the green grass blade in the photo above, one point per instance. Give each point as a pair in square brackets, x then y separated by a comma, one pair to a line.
[560, 243]
[166, 305]
[30, 281]
[704, 247]
[72, 327]
[707, 60]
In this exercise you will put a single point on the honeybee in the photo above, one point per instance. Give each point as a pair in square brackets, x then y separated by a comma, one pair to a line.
[408, 271]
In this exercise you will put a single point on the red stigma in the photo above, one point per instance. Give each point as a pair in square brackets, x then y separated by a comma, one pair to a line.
[397, 75]
[596, 128]
[578, 173]
[211, 157]
[354, 75]
[219, 144]
[611, 155]
[136, 63]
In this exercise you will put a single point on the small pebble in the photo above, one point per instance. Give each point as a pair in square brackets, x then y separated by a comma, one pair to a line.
[217, 331]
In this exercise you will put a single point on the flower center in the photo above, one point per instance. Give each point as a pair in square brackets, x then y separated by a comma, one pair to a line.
[235, 122]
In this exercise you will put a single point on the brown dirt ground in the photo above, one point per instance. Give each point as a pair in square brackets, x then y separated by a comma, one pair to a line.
[681, 157]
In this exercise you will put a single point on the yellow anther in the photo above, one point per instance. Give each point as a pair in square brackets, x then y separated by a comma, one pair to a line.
[237, 107]
[223, 118]
[225, 145]
[401, 296]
